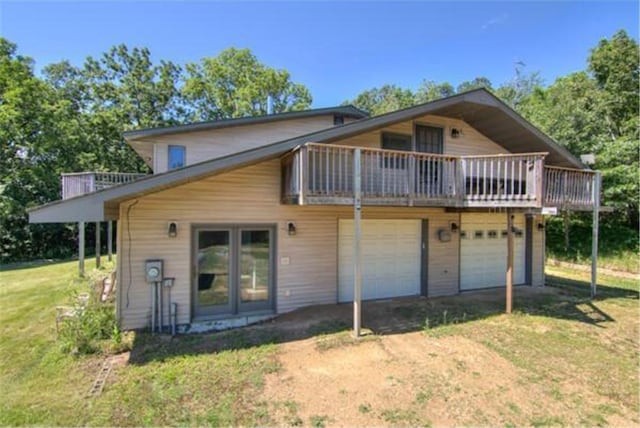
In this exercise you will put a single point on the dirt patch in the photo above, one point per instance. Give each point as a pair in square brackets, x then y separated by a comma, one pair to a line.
[407, 379]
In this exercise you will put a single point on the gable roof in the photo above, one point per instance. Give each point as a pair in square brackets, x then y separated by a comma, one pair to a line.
[479, 108]
[347, 110]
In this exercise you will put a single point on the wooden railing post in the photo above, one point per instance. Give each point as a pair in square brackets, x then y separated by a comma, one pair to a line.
[461, 179]
[411, 179]
[539, 181]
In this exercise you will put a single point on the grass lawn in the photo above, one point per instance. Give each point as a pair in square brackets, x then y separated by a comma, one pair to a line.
[581, 355]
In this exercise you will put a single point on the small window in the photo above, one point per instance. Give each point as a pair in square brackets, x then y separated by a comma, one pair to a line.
[177, 157]
[396, 142]
[518, 233]
[493, 234]
[338, 119]
[505, 233]
[478, 234]
[463, 234]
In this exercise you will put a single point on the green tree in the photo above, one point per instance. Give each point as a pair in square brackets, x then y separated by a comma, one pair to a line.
[236, 84]
[477, 83]
[29, 129]
[122, 89]
[520, 87]
[382, 100]
[568, 110]
[430, 90]
[615, 65]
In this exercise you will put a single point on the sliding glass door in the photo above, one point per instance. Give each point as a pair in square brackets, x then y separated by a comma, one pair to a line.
[233, 269]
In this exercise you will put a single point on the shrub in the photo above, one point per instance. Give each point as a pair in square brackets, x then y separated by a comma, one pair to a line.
[92, 327]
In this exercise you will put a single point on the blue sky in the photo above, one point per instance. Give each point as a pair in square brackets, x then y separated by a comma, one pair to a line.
[337, 49]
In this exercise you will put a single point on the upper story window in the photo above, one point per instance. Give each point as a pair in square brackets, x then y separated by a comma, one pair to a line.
[396, 141]
[338, 119]
[177, 157]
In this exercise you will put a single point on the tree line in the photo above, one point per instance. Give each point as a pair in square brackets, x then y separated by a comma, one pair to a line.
[70, 118]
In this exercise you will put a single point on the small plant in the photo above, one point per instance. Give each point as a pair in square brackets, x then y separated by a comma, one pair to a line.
[90, 327]
[364, 408]
[396, 416]
[318, 421]
[422, 397]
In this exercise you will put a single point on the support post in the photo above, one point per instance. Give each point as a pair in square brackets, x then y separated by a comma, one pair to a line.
[594, 239]
[110, 240]
[81, 247]
[509, 261]
[357, 253]
[97, 244]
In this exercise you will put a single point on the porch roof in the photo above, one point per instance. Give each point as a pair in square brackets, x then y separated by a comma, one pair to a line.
[479, 108]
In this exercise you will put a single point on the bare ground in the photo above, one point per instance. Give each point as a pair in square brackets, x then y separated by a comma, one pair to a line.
[406, 377]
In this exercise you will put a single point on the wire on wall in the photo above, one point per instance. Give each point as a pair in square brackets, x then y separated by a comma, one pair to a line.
[129, 208]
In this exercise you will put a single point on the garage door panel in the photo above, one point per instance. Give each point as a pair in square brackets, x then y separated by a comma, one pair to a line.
[391, 258]
[483, 261]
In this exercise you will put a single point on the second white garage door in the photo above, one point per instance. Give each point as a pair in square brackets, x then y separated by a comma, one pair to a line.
[483, 251]
[390, 255]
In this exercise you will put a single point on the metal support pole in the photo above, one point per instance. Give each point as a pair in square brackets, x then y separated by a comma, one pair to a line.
[110, 240]
[357, 253]
[154, 292]
[81, 247]
[509, 261]
[97, 244]
[594, 240]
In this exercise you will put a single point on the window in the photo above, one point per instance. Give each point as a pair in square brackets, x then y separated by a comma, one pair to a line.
[396, 142]
[399, 142]
[177, 157]
[338, 119]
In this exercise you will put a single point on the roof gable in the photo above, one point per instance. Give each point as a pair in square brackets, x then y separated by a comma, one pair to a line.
[348, 110]
[479, 108]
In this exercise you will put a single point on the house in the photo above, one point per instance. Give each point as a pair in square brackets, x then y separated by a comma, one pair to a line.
[253, 217]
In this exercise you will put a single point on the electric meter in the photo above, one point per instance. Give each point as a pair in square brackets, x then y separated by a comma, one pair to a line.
[153, 271]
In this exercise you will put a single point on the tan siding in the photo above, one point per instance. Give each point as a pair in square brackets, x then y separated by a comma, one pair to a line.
[251, 195]
[471, 142]
[538, 253]
[210, 144]
[443, 268]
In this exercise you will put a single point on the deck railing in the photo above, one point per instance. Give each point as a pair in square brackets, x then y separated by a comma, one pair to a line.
[567, 188]
[498, 179]
[321, 173]
[81, 183]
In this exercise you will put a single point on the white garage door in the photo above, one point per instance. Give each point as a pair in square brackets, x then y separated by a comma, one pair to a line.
[390, 256]
[483, 251]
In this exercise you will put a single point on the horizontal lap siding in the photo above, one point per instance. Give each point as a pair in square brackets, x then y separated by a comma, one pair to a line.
[538, 253]
[204, 145]
[251, 195]
[443, 272]
[471, 142]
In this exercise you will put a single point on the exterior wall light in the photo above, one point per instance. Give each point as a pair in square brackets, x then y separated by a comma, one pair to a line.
[291, 228]
[454, 226]
[456, 132]
[540, 226]
[173, 229]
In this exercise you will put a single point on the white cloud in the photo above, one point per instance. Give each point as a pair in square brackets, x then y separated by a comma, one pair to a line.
[495, 21]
